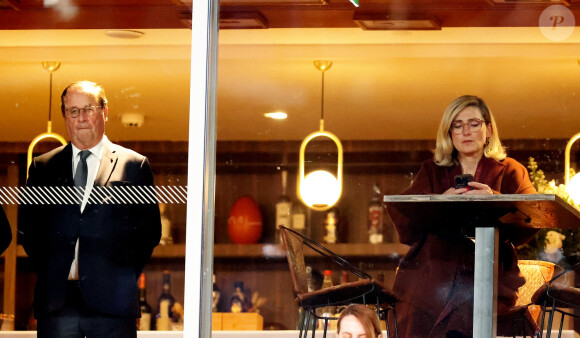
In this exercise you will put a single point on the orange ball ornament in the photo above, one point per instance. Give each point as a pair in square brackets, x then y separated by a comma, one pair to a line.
[245, 221]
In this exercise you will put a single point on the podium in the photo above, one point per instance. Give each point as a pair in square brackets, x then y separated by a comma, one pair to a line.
[516, 216]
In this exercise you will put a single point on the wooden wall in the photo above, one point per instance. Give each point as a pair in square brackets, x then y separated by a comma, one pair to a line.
[253, 168]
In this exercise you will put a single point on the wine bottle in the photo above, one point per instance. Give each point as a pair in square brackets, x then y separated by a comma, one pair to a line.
[331, 224]
[165, 305]
[216, 294]
[238, 299]
[145, 321]
[327, 311]
[283, 206]
[376, 215]
[299, 218]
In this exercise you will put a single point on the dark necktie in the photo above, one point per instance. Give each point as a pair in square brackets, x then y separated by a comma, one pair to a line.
[82, 169]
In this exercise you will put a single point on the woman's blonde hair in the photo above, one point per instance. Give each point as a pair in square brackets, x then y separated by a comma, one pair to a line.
[366, 316]
[445, 152]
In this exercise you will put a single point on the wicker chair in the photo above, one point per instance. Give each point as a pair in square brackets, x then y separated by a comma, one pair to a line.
[525, 312]
[364, 291]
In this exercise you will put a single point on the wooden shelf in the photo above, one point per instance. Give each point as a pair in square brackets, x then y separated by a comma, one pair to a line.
[233, 251]
[277, 251]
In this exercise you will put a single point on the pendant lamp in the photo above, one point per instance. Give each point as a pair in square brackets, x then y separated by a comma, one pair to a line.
[572, 185]
[50, 66]
[320, 189]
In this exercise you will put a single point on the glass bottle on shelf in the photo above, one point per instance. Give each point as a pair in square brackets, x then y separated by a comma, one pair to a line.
[327, 311]
[331, 225]
[299, 218]
[216, 294]
[166, 230]
[145, 320]
[165, 305]
[376, 216]
[238, 302]
[283, 207]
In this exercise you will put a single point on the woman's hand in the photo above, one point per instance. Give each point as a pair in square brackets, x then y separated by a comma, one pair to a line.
[453, 191]
[475, 188]
[478, 189]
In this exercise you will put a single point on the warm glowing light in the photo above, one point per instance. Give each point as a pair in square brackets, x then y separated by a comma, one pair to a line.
[573, 188]
[277, 115]
[320, 189]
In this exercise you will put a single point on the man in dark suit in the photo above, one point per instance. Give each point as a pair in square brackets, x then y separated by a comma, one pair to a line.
[5, 231]
[89, 255]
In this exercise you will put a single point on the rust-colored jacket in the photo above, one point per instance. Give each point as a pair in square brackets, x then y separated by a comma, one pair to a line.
[435, 278]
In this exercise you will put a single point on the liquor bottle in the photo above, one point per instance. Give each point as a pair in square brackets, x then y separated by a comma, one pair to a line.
[238, 301]
[283, 206]
[145, 321]
[309, 279]
[376, 213]
[344, 277]
[299, 218]
[166, 230]
[216, 294]
[330, 224]
[327, 311]
[165, 305]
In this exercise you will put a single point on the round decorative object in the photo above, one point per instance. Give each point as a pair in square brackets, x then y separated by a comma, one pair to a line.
[245, 221]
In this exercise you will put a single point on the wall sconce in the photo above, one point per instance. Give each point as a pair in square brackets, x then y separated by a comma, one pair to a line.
[320, 189]
[50, 66]
[572, 185]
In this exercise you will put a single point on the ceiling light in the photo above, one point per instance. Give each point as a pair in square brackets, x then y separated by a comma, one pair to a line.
[49, 66]
[242, 20]
[320, 189]
[396, 22]
[124, 33]
[277, 115]
[546, 2]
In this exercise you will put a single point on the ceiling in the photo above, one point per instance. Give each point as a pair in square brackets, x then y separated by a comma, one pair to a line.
[384, 84]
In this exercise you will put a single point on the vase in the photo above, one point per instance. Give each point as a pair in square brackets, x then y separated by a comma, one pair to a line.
[245, 221]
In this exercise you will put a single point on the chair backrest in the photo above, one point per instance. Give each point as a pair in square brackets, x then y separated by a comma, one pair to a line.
[536, 273]
[295, 255]
[294, 243]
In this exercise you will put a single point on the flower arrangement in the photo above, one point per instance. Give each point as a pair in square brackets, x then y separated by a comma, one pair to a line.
[560, 246]
[544, 187]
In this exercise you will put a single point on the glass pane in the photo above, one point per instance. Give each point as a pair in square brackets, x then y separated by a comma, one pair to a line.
[140, 53]
[384, 98]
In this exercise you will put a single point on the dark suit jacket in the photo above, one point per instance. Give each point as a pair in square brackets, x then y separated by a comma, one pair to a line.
[435, 278]
[115, 240]
[5, 231]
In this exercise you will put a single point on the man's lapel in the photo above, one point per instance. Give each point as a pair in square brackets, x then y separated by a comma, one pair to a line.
[107, 165]
[64, 159]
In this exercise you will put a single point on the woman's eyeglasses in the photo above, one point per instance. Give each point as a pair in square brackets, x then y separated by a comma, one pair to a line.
[473, 125]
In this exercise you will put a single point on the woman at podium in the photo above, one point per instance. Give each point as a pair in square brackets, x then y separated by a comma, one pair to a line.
[435, 278]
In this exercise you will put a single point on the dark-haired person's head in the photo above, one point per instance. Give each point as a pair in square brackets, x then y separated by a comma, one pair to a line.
[359, 321]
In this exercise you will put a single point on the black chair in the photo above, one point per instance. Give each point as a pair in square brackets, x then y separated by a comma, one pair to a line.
[364, 291]
[555, 297]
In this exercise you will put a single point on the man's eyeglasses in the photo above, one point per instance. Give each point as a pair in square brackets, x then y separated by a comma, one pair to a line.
[474, 125]
[74, 112]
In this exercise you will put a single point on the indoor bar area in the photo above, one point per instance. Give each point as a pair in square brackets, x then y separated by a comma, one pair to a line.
[290, 168]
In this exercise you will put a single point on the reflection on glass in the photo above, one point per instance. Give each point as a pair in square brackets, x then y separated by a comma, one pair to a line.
[146, 77]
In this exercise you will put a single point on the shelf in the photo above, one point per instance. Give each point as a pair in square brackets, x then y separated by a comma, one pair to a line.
[233, 251]
[351, 250]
